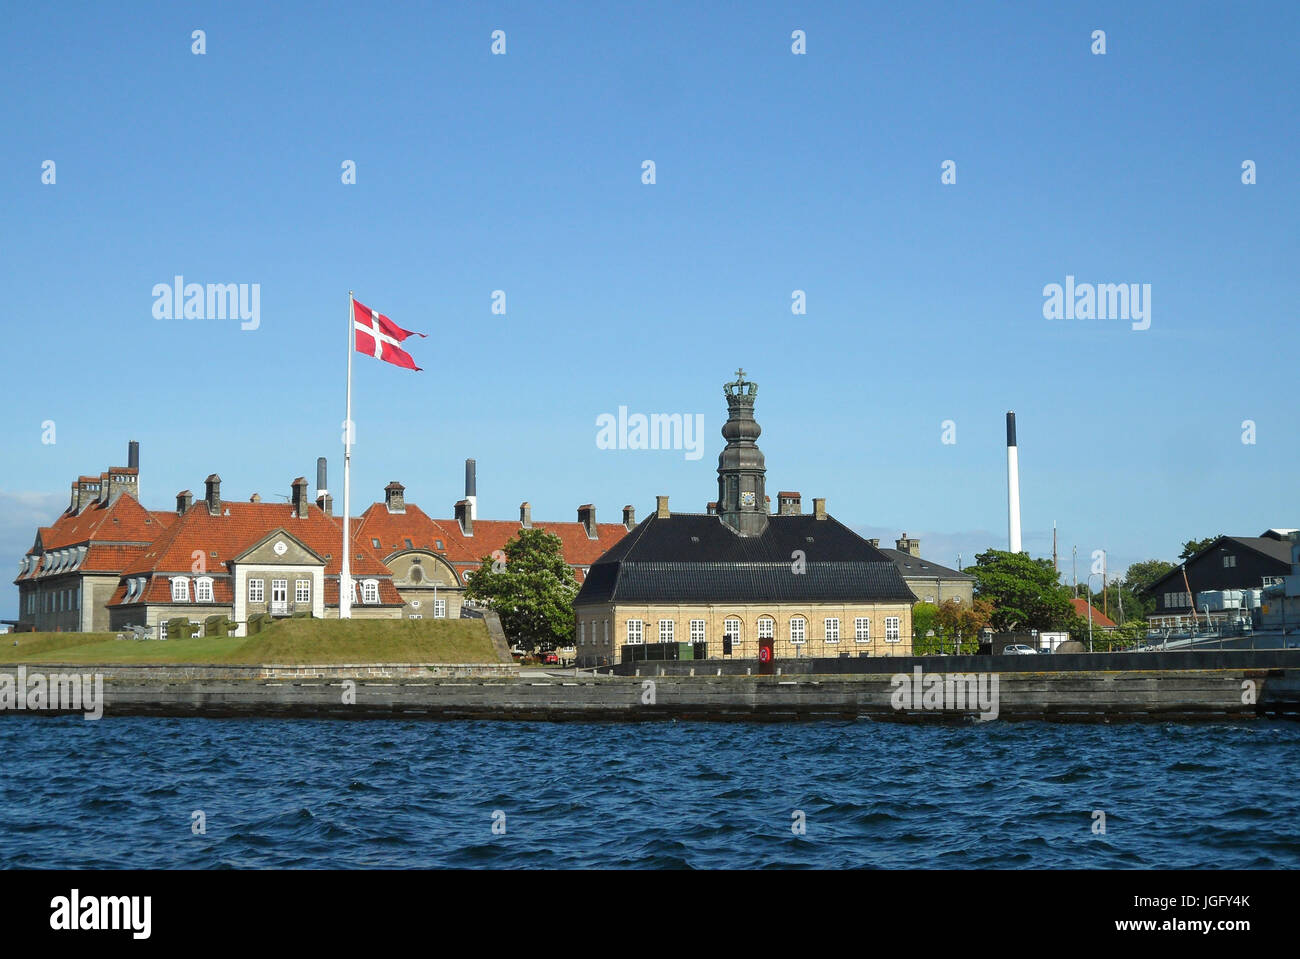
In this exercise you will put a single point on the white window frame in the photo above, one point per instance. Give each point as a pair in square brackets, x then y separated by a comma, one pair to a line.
[369, 592]
[893, 627]
[180, 589]
[635, 632]
[766, 627]
[203, 589]
[257, 591]
[862, 629]
[798, 636]
[667, 628]
[302, 591]
[697, 631]
[832, 629]
[439, 609]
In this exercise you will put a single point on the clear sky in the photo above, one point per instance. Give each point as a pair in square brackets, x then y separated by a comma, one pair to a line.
[774, 172]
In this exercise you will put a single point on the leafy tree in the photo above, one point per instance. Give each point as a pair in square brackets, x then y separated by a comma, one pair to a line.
[1194, 546]
[532, 590]
[962, 623]
[923, 619]
[1140, 577]
[1024, 592]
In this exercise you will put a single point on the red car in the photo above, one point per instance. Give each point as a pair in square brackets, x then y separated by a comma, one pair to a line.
[551, 659]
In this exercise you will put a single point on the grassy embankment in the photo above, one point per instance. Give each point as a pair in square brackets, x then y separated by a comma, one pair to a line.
[287, 642]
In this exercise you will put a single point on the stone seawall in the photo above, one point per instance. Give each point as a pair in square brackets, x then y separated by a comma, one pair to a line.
[1067, 696]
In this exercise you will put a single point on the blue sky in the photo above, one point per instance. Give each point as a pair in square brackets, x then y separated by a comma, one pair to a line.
[774, 173]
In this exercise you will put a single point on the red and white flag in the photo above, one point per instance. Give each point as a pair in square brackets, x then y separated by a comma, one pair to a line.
[378, 336]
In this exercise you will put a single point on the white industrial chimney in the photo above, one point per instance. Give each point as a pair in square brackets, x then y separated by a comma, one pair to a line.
[1013, 487]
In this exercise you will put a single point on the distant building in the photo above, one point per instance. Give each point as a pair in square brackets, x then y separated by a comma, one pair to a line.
[930, 581]
[1229, 563]
[431, 560]
[1099, 619]
[108, 563]
[746, 583]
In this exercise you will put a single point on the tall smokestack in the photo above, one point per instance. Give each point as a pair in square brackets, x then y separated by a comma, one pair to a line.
[133, 455]
[471, 496]
[321, 487]
[1013, 487]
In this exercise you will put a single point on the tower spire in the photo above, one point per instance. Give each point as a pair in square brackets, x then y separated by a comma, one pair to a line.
[742, 500]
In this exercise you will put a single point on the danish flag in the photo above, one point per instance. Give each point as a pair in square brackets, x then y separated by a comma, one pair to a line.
[378, 336]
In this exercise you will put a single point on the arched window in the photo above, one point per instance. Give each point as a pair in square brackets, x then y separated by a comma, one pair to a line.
[798, 629]
[203, 589]
[180, 589]
[766, 627]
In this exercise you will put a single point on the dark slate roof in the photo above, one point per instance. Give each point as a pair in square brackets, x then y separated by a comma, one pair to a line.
[1267, 546]
[910, 565]
[695, 557]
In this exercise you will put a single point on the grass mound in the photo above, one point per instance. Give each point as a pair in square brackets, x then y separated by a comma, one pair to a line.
[287, 642]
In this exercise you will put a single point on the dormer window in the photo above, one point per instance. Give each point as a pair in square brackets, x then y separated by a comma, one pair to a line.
[180, 589]
[203, 589]
[370, 591]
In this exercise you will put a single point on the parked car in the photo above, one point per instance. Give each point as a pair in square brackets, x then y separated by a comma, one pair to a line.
[551, 659]
[1017, 649]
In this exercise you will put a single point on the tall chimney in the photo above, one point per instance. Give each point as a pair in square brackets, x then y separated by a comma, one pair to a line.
[661, 507]
[819, 507]
[1013, 486]
[322, 487]
[184, 500]
[465, 518]
[133, 455]
[212, 494]
[629, 517]
[299, 498]
[395, 497]
[471, 492]
[526, 515]
[587, 517]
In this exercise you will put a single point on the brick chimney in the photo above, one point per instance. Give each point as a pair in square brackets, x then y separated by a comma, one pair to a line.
[819, 507]
[326, 504]
[526, 515]
[212, 494]
[789, 504]
[587, 517]
[395, 497]
[661, 507]
[255, 498]
[910, 546]
[711, 508]
[465, 518]
[299, 498]
[629, 517]
[184, 500]
[875, 542]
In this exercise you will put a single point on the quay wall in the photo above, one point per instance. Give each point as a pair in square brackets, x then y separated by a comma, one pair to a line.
[1051, 695]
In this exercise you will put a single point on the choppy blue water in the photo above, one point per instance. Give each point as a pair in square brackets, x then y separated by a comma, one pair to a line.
[295, 793]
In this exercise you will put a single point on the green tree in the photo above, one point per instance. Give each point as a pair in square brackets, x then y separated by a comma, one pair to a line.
[1194, 546]
[1140, 577]
[531, 588]
[1024, 592]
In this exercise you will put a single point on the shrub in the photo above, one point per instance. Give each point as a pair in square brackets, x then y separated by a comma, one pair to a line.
[181, 628]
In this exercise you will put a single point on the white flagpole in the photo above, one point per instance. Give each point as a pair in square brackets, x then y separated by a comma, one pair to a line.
[345, 578]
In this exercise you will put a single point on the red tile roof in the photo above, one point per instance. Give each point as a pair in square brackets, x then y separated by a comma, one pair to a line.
[123, 521]
[393, 529]
[1098, 618]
